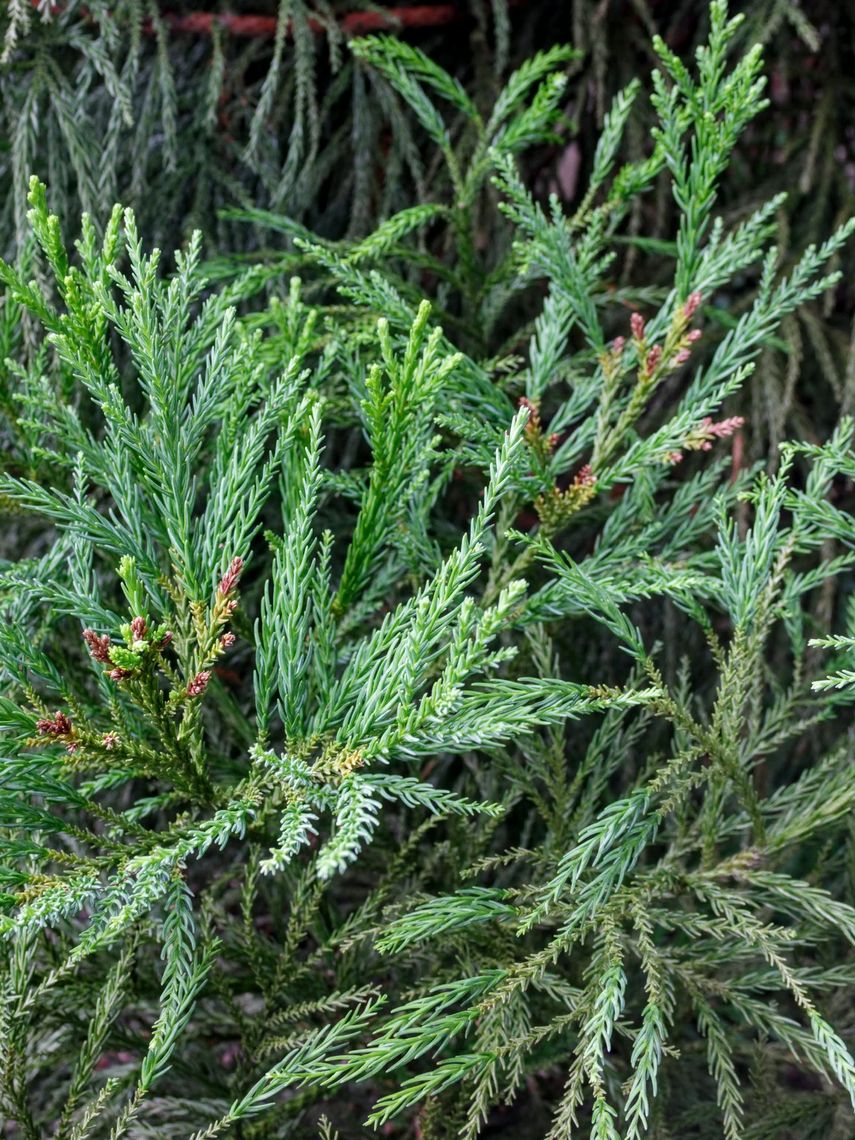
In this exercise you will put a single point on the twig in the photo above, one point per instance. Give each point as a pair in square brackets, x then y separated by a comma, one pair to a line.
[353, 23]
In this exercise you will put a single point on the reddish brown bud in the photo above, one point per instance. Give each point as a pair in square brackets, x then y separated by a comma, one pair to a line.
[636, 323]
[119, 674]
[682, 356]
[693, 334]
[618, 345]
[165, 640]
[585, 477]
[227, 641]
[138, 628]
[653, 358]
[99, 646]
[109, 740]
[692, 304]
[199, 683]
[57, 725]
[230, 579]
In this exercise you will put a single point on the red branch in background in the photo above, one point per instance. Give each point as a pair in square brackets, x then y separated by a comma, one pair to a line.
[352, 24]
[251, 26]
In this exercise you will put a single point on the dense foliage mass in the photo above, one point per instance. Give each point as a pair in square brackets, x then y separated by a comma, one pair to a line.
[426, 664]
[184, 111]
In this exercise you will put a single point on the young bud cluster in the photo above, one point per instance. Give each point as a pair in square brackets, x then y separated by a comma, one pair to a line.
[123, 661]
[199, 683]
[58, 725]
[99, 646]
[702, 437]
[541, 444]
[556, 507]
[230, 579]
[675, 350]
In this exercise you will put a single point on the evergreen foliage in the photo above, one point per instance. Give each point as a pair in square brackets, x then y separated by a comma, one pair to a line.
[183, 114]
[415, 708]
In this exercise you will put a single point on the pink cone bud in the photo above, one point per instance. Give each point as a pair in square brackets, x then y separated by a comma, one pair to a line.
[636, 323]
[724, 428]
[199, 683]
[692, 304]
[99, 646]
[230, 579]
